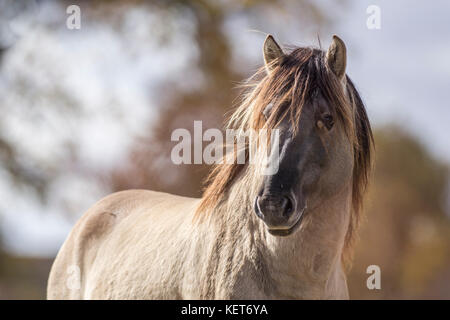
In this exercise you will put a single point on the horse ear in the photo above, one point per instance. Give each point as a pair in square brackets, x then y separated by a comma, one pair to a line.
[272, 52]
[336, 57]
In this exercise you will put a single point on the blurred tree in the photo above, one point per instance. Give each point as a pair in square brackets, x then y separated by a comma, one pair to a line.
[9, 157]
[407, 232]
[209, 103]
[212, 99]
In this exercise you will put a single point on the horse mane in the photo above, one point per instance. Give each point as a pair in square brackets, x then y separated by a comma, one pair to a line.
[296, 79]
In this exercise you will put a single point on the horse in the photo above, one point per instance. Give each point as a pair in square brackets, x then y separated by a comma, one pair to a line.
[285, 235]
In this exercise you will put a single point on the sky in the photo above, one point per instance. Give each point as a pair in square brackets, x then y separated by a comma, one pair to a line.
[403, 69]
[402, 72]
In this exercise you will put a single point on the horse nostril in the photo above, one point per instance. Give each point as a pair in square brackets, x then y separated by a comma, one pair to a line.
[274, 208]
[287, 206]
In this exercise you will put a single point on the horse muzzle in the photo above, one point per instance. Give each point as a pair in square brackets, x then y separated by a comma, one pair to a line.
[279, 213]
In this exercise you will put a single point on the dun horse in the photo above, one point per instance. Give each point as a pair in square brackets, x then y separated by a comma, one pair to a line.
[251, 236]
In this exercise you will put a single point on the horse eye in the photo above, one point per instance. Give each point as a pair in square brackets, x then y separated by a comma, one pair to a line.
[328, 120]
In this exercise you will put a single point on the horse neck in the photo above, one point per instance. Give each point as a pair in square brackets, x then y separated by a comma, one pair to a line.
[312, 255]
[306, 264]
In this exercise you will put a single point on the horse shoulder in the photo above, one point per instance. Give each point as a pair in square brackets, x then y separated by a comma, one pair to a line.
[71, 267]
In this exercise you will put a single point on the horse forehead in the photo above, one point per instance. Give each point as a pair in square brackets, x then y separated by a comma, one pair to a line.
[322, 104]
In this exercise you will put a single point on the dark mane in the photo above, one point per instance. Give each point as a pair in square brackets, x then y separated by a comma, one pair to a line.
[293, 82]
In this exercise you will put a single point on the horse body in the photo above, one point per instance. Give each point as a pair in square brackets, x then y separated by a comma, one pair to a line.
[251, 235]
[141, 244]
